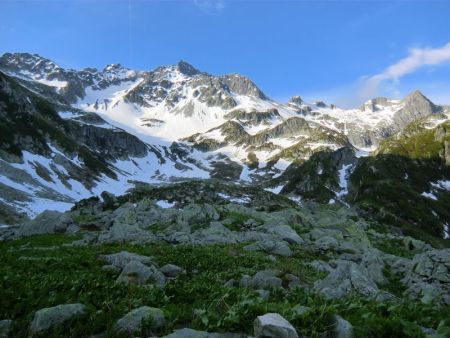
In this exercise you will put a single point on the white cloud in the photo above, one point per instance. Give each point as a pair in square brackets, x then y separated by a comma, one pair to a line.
[416, 59]
[210, 6]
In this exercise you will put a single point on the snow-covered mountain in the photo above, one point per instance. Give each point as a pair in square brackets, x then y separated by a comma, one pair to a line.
[70, 134]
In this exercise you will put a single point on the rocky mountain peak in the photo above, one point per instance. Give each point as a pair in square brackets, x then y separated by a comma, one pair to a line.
[187, 69]
[418, 102]
[320, 104]
[376, 104]
[112, 67]
[34, 63]
[295, 101]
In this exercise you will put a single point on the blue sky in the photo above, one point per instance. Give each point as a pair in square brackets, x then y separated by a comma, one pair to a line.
[340, 51]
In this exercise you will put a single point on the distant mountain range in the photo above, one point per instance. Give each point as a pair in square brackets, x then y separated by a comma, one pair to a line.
[70, 134]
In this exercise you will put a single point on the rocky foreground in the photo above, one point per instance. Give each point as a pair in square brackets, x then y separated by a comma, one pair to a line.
[208, 259]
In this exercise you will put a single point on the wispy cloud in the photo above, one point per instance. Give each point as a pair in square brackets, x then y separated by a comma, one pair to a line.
[416, 59]
[210, 6]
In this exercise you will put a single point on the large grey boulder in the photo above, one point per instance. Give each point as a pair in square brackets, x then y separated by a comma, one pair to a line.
[47, 222]
[415, 244]
[133, 320]
[171, 270]
[429, 277]
[342, 328]
[345, 278]
[122, 258]
[326, 243]
[285, 233]
[273, 325]
[46, 318]
[372, 262]
[193, 214]
[280, 248]
[121, 232]
[5, 328]
[216, 232]
[190, 333]
[137, 273]
[264, 279]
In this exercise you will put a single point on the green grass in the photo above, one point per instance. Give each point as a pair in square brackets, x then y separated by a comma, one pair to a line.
[196, 299]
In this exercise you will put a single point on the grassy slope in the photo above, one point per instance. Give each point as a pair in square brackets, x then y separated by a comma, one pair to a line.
[197, 299]
[390, 184]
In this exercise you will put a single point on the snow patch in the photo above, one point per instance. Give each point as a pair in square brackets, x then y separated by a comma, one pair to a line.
[429, 195]
[233, 199]
[343, 180]
[164, 204]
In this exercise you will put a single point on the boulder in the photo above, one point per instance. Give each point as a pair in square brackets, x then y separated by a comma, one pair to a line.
[46, 318]
[273, 325]
[121, 232]
[132, 321]
[280, 248]
[345, 278]
[293, 281]
[429, 277]
[48, 222]
[137, 273]
[194, 214]
[373, 263]
[190, 333]
[171, 270]
[342, 328]
[121, 259]
[326, 243]
[415, 244]
[215, 232]
[285, 233]
[267, 279]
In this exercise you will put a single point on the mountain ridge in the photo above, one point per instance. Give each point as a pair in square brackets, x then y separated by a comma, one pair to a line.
[176, 122]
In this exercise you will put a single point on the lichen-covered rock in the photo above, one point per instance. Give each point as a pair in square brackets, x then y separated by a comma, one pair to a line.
[273, 325]
[133, 320]
[46, 318]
